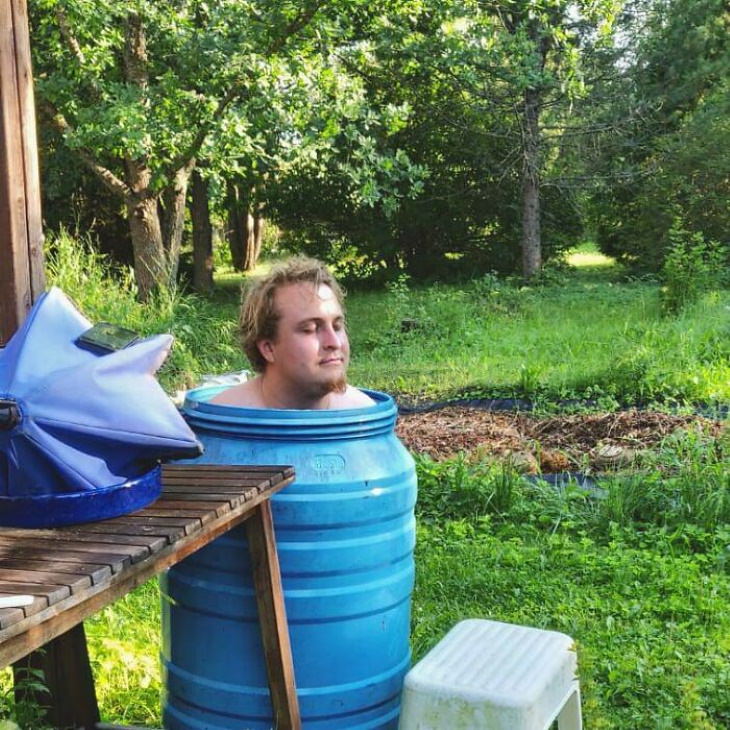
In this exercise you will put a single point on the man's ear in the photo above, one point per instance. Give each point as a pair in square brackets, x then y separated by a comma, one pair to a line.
[266, 349]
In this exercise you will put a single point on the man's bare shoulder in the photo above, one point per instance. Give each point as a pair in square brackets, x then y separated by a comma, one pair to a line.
[351, 398]
[243, 395]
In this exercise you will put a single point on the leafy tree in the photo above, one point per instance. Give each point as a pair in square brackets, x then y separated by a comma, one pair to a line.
[141, 91]
[488, 89]
[666, 162]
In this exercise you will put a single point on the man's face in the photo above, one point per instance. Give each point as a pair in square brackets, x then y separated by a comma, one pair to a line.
[310, 350]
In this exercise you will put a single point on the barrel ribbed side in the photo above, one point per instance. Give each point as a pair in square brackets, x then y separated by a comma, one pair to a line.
[345, 536]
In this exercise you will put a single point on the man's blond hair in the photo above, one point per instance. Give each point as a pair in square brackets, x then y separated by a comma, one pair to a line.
[259, 319]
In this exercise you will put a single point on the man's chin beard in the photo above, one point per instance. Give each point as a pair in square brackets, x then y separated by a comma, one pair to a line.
[325, 387]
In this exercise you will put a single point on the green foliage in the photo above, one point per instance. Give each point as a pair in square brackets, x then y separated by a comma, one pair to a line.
[667, 154]
[459, 488]
[204, 329]
[17, 712]
[692, 267]
[638, 577]
[596, 337]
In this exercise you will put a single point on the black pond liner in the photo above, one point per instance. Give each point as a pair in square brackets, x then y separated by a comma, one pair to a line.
[561, 480]
[718, 411]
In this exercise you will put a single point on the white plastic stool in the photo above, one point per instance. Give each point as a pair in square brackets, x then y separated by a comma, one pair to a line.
[488, 675]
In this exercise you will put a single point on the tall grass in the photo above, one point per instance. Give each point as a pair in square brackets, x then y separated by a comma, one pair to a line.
[204, 329]
[639, 578]
[599, 340]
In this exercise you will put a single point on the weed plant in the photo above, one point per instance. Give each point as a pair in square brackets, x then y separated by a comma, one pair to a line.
[604, 341]
[692, 267]
[639, 578]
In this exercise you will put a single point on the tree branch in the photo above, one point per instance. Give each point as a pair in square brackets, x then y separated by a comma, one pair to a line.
[110, 180]
[239, 89]
[68, 36]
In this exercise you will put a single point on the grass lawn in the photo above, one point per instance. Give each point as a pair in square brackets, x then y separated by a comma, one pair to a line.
[639, 579]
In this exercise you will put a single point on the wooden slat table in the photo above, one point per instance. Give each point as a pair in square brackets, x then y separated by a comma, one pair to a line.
[73, 572]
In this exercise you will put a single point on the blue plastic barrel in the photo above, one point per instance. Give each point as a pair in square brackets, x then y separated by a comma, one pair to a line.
[345, 535]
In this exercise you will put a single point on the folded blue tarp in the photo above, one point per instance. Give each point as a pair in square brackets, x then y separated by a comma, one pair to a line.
[81, 433]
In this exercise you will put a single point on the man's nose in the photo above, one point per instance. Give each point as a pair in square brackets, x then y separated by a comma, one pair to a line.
[330, 338]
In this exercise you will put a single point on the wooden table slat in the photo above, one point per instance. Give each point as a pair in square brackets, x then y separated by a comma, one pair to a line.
[185, 487]
[132, 531]
[74, 581]
[133, 552]
[284, 471]
[115, 561]
[106, 536]
[10, 616]
[216, 479]
[51, 593]
[96, 572]
[75, 571]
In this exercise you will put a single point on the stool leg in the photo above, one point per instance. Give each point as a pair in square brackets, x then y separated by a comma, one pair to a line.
[570, 716]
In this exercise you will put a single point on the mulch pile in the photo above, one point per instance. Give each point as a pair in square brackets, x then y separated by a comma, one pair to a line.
[595, 441]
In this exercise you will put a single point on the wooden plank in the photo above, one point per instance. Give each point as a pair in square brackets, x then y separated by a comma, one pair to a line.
[15, 289]
[96, 572]
[160, 510]
[187, 524]
[186, 487]
[10, 616]
[170, 534]
[272, 618]
[74, 581]
[115, 561]
[39, 604]
[232, 499]
[73, 535]
[173, 502]
[26, 103]
[21, 237]
[33, 632]
[133, 552]
[51, 593]
[236, 469]
[213, 480]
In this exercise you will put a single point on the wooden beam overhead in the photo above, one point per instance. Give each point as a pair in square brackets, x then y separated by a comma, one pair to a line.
[22, 277]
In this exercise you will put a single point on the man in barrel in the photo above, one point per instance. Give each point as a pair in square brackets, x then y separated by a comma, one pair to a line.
[292, 328]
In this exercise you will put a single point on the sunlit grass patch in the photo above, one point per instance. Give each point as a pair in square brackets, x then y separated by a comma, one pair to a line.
[588, 255]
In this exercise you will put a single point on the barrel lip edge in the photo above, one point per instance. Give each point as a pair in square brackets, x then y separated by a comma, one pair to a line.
[197, 403]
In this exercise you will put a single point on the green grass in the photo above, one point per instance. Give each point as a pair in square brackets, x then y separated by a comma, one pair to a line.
[640, 579]
[587, 338]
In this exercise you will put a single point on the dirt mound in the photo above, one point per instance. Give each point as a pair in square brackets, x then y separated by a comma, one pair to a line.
[594, 441]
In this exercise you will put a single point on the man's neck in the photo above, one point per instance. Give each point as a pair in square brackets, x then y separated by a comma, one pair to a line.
[275, 394]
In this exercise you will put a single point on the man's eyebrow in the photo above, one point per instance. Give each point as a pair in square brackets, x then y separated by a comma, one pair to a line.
[307, 320]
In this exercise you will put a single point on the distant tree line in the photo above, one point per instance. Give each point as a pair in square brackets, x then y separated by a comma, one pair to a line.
[432, 138]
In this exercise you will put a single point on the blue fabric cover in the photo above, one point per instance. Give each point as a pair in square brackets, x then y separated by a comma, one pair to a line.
[87, 421]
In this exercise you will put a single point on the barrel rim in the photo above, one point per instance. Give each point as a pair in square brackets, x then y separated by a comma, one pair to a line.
[197, 403]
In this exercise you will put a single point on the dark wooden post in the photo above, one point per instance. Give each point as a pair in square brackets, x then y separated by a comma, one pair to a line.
[22, 277]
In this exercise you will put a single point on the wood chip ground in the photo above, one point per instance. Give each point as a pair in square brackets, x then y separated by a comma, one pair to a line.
[547, 444]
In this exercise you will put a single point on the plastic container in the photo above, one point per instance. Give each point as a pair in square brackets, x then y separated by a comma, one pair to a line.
[345, 535]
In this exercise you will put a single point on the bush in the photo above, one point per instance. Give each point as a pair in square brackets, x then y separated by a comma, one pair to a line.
[692, 267]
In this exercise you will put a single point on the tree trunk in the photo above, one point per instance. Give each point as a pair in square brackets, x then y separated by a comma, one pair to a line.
[257, 238]
[531, 242]
[173, 218]
[202, 236]
[235, 233]
[149, 254]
